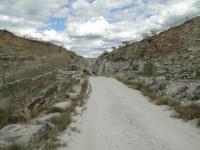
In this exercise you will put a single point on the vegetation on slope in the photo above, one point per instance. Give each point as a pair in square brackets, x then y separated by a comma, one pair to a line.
[185, 112]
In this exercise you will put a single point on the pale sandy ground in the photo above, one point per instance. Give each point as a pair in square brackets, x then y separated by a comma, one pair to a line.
[120, 118]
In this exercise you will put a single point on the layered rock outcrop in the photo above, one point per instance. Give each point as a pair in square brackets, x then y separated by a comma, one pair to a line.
[26, 136]
[29, 71]
[40, 84]
[168, 63]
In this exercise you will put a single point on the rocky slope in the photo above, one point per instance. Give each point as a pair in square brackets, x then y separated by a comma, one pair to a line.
[21, 58]
[40, 86]
[30, 73]
[168, 63]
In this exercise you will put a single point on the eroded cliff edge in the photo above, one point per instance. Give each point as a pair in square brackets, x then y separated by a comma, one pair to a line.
[167, 63]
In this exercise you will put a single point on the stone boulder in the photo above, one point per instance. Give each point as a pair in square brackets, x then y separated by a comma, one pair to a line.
[23, 135]
[73, 95]
[158, 86]
[62, 105]
[77, 88]
[47, 119]
[197, 90]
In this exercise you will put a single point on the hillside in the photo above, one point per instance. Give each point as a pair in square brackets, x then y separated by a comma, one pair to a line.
[32, 72]
[20, 57]
[40, 86]
[167, 63]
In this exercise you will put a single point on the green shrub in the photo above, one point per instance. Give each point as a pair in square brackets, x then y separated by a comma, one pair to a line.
[148, 69]
[7, 117]
[54, 110]
[64, 121]
[4, 114]
[14, 147]
[74, 67]
[67, 96]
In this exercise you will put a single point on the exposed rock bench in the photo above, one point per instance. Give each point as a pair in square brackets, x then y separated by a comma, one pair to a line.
[73, 95]
[47, 119]
[77, 88]
[62, 105]
[25, 136]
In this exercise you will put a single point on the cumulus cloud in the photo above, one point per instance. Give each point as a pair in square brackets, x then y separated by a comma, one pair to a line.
[94, 27]
[22, 14]
[85, 8]
[90, 27]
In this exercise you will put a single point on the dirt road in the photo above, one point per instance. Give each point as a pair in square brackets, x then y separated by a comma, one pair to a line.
[120, 118]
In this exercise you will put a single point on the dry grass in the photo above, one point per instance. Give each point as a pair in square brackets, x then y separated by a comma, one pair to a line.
[54, 110]
[49, 141]
[83, 95]
[75, 129]
[61, 124]
[188, 112]
[51, 145]
[36, 112]
[66, 118]
[14, 147]
[7, 117]
[185, 112]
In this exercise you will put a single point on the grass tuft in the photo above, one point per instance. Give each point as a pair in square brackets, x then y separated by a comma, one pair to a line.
[198, 124]
[54, 110]
[14, 147]
[188, 112]
[8, 117]
[66, 118]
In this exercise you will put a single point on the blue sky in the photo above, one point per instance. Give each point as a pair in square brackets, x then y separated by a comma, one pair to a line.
[58, 24]
[54, 23]
[90, 27]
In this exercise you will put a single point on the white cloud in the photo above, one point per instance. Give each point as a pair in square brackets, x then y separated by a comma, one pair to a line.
[97, 8]
[96, 26]
[93, 26]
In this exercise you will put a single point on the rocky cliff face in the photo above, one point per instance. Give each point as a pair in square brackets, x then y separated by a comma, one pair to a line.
[21, 58]
[168, 63]
[40, 86]
[29, 71]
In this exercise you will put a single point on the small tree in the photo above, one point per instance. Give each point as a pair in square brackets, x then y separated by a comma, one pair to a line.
[153, 32]
[145, 35]
[114, 48]
[125, 43]
[74, 67]
[105, 52]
